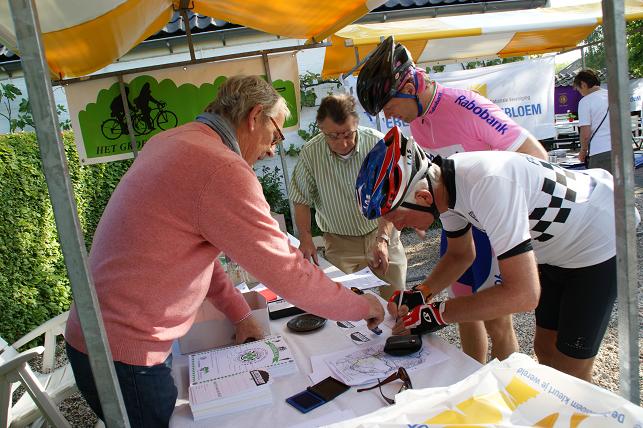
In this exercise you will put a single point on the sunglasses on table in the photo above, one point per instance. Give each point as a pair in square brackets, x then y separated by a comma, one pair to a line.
[400, 374]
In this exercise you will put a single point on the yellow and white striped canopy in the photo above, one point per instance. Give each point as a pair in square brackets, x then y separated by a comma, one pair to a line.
[82, 36]
[456, 38]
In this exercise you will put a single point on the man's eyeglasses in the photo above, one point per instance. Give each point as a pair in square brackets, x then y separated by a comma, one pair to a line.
[401, 374]
[280, 135]
[340, 135]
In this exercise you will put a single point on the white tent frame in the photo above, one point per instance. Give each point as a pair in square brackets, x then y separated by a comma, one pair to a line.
[54, 162]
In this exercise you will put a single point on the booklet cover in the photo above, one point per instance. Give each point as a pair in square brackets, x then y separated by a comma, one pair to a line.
[270, 353]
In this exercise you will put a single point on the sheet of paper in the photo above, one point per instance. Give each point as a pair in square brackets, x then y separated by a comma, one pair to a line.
[329, 418]
[358, 332]
[242, 287]
[320, 370]
[293, 241]
[368, 363]
[362, 279]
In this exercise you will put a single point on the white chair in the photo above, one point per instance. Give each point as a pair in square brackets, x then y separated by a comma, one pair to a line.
[45, 390]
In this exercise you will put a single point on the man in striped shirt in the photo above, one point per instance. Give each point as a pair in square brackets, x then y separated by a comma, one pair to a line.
[324, 179]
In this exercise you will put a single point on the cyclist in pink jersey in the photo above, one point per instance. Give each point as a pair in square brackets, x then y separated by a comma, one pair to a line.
[445, 121]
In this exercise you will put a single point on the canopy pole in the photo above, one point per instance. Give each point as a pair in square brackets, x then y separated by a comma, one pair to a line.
[183, 8]
[128, 117]
[626, 260]
[282, 153]
[54, 162]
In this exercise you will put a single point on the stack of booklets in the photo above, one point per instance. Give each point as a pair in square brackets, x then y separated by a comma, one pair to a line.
[229, 394]
[236, 378]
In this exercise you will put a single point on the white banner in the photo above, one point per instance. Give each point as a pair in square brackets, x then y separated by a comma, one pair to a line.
[524, 90]
[636, 92]
[160, 100]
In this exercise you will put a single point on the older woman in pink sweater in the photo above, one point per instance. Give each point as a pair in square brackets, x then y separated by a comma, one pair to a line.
[190, 195]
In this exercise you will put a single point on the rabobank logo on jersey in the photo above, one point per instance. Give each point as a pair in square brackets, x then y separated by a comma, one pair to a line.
[482, 113]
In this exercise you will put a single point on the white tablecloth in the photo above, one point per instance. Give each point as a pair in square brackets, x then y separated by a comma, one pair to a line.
[303, 345]
[328, 339]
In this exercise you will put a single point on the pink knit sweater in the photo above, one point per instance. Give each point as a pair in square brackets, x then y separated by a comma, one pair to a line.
[186, 198]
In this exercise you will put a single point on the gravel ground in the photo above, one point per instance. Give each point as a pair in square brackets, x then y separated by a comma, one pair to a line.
[422, 256]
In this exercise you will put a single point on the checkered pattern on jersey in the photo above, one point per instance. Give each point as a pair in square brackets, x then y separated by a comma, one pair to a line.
[560, 186]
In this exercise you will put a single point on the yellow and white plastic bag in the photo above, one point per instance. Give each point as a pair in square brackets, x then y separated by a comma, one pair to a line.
[517, 392]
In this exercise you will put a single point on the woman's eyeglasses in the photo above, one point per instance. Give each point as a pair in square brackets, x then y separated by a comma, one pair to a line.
[401, 374]
[280, 135]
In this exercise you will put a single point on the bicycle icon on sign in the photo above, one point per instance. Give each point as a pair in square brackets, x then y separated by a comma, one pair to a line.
[160, 118]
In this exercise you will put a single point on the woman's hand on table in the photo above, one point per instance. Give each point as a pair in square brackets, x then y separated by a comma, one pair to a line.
[375, 311]
[248, 328]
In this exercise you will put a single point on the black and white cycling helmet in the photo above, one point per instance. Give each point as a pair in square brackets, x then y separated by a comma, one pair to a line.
[381, 75]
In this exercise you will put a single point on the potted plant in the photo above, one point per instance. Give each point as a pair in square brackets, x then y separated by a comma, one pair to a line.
[570, 116]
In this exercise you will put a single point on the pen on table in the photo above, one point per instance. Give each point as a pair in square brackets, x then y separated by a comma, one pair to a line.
[375, 330]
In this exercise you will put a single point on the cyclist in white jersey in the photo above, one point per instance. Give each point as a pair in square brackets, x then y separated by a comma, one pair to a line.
[538, 217]
[445, 121]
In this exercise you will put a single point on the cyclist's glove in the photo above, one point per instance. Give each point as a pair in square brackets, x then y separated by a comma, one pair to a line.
[425, 318]
[410, 298]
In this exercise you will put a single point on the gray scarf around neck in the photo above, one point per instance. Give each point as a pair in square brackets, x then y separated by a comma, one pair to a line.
[223, 127]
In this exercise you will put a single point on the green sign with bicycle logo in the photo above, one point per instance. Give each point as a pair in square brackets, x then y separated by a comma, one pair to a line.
[159, 101]
[154, 107]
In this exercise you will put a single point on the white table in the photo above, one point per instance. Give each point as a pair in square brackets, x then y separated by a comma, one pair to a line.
[566, 127]
[326, 340]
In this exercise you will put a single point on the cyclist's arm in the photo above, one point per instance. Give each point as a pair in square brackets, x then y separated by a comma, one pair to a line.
[459, 256]
[519, 292]
[532, 147]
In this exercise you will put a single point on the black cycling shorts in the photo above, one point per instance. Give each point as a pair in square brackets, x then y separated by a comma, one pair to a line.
[577, 303]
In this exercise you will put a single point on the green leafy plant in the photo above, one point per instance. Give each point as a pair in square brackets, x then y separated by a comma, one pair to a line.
[570, 116]
[293, 150]
[490, 62]
[271, 180]
[33, 278]
[9, 93]
[312, 130]
[308, 98]
[307, 82]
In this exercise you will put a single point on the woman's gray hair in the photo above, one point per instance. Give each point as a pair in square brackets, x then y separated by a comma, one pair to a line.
[433, 174]
[239, 94]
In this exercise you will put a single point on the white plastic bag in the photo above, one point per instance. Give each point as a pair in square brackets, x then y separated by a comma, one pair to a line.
[517, 392]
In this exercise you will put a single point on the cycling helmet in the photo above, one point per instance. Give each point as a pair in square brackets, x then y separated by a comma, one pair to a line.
[381, 75]
[389, 171]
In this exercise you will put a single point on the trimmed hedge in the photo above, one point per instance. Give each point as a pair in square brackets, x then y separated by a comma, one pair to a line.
[33, 279]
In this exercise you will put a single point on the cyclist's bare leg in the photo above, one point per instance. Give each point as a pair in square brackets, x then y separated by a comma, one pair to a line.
[503, 337]
[473, 339]
[549, 355]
